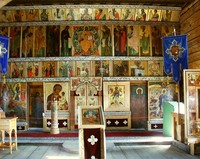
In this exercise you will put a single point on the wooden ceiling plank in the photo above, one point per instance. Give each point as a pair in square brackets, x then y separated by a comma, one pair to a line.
[177, 3]
[4, 2]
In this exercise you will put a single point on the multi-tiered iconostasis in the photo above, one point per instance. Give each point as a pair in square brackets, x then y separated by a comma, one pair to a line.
[88, 55]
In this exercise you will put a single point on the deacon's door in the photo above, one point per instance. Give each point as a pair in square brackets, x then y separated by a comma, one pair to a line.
[36, 105]
[138, 106]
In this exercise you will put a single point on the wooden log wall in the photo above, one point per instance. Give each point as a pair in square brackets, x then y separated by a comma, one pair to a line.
[190, 24]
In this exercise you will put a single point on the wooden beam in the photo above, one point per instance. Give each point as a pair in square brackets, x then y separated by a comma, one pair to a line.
[172, 3]
[4, 2]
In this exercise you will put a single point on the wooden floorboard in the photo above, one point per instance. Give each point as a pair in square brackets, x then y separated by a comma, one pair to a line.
[143, 152]
[52, 152]
[25, 152]
[65, 155]
[39, 152]
[109, 155]
[164, 151]
[181, 154]
[129, 153]
[156, 151]
[117, 152]
[6, 152]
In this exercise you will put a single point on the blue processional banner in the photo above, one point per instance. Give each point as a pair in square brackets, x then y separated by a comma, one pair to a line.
[4, 54]
[175, 55]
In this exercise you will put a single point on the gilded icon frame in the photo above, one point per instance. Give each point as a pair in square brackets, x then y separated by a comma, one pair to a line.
[116, 96]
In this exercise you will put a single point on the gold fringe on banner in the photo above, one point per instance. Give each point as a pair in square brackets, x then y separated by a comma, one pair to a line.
[4, 79]
[167, 80]
[177, 88]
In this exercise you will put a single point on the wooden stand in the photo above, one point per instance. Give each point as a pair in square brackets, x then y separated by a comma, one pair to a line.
[194, 143]
[8, 125]
[91, 133]
[178, 127]
[2, 115]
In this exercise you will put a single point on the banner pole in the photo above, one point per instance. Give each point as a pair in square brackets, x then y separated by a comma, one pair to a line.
[4, 79]
[178, 92]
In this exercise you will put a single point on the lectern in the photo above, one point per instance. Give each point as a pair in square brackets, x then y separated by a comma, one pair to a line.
[91, 132]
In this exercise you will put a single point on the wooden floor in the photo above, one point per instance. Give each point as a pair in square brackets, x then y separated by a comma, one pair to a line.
[29, 151]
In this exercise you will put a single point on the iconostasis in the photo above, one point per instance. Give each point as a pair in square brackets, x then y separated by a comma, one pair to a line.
[54, 45]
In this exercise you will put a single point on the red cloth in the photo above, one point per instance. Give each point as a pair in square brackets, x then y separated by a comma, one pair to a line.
[92, 143]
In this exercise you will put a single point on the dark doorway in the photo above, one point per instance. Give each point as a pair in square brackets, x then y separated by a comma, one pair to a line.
[36, 105]
[139, 106]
